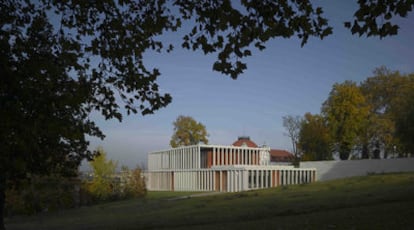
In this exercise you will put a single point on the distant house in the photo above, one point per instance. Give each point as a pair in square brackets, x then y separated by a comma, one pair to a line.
[244, 141]
[278, 156]
[239, 167]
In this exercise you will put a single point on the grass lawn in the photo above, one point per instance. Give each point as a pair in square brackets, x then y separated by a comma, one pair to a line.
[370, 202]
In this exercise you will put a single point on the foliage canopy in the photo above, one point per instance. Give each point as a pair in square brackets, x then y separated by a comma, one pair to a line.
[188, 131]
[372, 117]
[346, 111]
[103, 171]
[314, 138]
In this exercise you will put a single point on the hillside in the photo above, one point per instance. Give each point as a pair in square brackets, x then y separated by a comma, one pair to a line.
[369, 202]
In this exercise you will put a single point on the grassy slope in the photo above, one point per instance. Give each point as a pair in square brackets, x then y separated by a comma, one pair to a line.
[374, 202]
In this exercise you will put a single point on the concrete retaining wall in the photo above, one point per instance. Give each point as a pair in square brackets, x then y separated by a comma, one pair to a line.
[329, 170]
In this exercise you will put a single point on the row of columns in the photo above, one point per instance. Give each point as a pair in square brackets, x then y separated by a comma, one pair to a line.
[228, 180]
[235, 156]
[178, 158]
[194, 180]
[192, 158]
[160, 181]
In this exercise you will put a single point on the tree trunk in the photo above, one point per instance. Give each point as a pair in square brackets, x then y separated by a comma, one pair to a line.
[2, 201]
[365, 154]
[344, 151]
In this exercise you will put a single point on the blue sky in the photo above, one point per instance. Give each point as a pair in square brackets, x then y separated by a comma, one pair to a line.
[284, 79]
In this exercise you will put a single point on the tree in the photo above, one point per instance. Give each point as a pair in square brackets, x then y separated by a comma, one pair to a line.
[102, 186]
[62, 60]
[389, 94]
[188, 131]
[314, 138]
[346, 112]
[292, 125]
[134, 183]
[405, 121]
[373, 18]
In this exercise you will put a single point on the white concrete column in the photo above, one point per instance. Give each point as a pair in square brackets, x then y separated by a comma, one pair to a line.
[176, 159]
[195, 182]
[191, 158]
[207, 180]
[210, 173]
[221, 181]
[173, 159]
[240, 180]
[185, 160]
[231, 177]
[230, 181]
[185, 155]
[180, 156]
[231, 160]
[197, 163]
[181, 181]
[241, 175]
[296, 176]
[211, 180]
[245, 179]
[204, 180]
[262, 178]
[234, 181]
[190, 181]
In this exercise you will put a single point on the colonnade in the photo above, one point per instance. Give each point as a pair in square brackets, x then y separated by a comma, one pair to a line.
[223, 155]
[229, 179]
[219, 168]
[205, 156]
[160, 181]
[176, 158]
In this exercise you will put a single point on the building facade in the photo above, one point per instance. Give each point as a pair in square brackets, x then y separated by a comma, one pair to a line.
[220, 168]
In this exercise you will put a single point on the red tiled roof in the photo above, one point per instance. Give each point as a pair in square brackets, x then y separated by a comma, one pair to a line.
[280, 155]
[245, 141]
